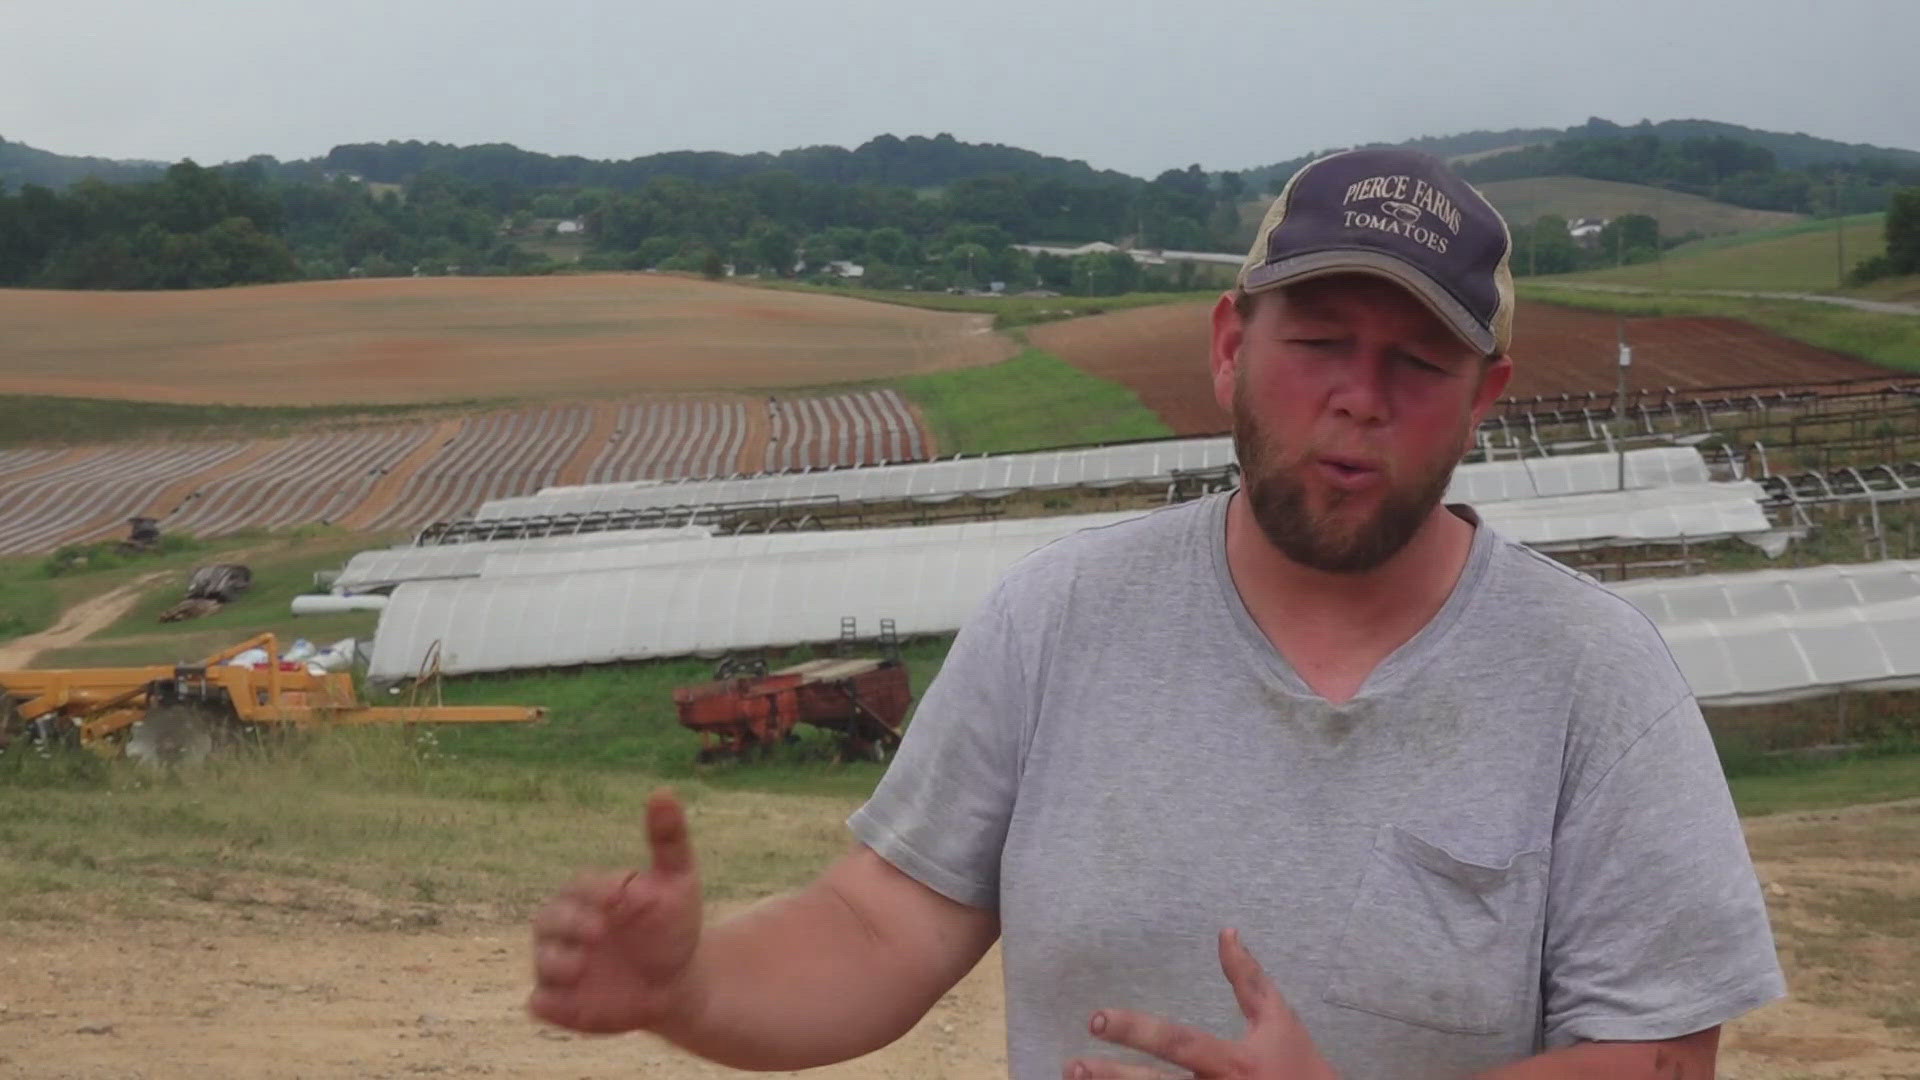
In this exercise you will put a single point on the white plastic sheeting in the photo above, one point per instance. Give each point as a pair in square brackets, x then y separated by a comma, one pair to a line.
[774, 599]
[1780, 635]
[594, 560]
[386, 567]
[334, 604]
[596, 605]
[924, 481]
[1661, 514]
[1574, 474]
[1139, 463]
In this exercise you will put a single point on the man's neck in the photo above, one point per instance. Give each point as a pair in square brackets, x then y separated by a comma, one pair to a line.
[1393, 600]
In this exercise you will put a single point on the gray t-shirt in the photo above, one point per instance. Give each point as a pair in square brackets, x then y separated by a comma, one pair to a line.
[1515, 836]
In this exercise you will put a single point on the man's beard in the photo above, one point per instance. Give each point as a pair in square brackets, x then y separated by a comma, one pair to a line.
[1277, 494]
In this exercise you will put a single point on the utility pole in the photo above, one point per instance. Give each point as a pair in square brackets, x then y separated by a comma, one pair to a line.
[1839, 237]
[1620, 398]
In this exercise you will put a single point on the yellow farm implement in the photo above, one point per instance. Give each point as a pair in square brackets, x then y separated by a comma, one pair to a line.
[177, 713]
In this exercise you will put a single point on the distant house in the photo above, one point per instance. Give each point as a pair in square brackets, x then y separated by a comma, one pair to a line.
[846, 268]
[1585, 230]
[1142, 256]
[568, 227]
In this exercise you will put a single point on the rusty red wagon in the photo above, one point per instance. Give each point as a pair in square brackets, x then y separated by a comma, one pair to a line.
[863, 701]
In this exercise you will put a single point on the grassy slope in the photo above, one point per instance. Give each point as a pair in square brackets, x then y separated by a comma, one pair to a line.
[1889, 340]
[1797, 258]
[1029, 402]
[283, 567]
[1523, 201]
[1798, 784]
[29, 420]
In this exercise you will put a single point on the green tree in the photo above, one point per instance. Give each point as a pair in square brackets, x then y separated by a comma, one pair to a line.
[774, 245]
[971, 262]
[1629, 238]
[1545, 247]
[887, 244]
[1903, 232]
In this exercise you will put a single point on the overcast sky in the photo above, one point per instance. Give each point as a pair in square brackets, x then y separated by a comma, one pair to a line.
[1122, 84]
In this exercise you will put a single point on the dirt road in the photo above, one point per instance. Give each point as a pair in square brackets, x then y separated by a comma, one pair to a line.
[77, 623]
[232, 977]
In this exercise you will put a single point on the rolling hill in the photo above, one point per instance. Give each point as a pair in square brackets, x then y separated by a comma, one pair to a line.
[1804, 257]
[1522, 201]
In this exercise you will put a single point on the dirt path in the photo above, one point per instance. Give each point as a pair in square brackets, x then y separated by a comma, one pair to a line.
[274, 979]
[285, 984]
[1879, 307]
[79, 622]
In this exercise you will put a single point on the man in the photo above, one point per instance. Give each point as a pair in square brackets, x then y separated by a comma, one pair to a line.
[1456, 800]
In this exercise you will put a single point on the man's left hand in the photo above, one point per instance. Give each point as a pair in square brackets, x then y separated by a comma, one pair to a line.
[1276, 1045]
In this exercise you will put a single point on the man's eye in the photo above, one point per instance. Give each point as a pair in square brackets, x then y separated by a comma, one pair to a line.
[1422, 365]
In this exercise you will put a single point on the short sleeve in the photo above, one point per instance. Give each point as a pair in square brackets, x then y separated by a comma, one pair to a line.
[1656, 927]
[940, 813]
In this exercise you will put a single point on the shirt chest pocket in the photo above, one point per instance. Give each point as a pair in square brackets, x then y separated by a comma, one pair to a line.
[1439, 941]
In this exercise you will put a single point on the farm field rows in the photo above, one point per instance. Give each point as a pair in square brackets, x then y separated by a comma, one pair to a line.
[402, 477]
[1161, 354]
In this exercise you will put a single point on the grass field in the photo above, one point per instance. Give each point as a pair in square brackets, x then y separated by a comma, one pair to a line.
[1522, 202]
[1033, 401]
[1891, 341]
[37, 421]
[33, 592]
[1794, 258]
[281, 572]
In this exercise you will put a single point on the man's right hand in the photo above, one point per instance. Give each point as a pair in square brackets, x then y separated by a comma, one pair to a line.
[614, 953]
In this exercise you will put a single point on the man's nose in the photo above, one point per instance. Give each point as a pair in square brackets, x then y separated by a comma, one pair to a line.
[1361, 391]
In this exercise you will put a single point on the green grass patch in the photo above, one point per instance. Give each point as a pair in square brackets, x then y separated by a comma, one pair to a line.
[34, 589]
[1793, 258]
[1905, 289]
[27, 420]
[1888, 340]
[1774, 783]
[1032, 401]
[1007, 311]
[1523, 201]
[353, 822]
[622, 718]
[29, 602]
[282, 571]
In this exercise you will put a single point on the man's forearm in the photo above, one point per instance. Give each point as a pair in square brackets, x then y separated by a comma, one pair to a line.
[1690, 1057]
[806, 979]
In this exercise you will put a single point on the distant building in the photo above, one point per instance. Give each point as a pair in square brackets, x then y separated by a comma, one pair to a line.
[846, 268]
[1585, 229]
[1142, 256]
[568, 227]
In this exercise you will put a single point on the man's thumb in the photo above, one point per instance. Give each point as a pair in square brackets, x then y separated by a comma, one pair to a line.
[667, 838]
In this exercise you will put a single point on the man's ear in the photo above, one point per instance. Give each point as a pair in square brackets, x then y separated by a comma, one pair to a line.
[1493, 383]
[1223, 358]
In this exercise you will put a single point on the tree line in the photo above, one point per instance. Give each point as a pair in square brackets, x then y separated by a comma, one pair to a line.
[259, 221]
[1717, 167]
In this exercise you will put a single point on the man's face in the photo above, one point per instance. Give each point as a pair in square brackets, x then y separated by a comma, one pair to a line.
[1351, 405]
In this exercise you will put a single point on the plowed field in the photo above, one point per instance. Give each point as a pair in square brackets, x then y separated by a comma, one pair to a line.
[1161, 354]
[402, 340]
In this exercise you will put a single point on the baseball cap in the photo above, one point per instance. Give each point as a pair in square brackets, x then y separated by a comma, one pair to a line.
[1397, 214]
